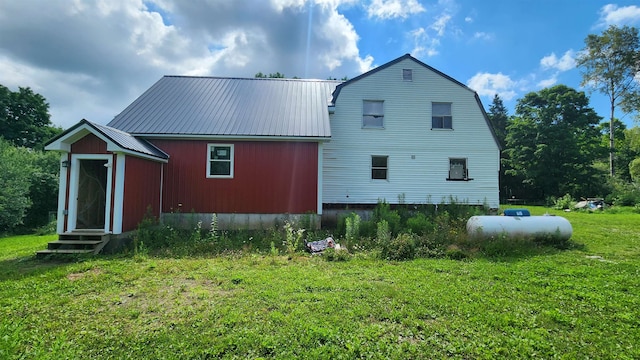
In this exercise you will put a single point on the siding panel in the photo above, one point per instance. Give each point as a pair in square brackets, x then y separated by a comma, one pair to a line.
[418, 155]
[269, 178]
[141, 190]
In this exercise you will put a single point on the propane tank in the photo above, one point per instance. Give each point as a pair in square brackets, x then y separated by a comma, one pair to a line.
[524, 226]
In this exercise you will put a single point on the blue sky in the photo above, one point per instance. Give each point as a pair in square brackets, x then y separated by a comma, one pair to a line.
[90, 59]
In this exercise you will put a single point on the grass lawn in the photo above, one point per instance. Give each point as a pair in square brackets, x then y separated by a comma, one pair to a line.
[578, 303]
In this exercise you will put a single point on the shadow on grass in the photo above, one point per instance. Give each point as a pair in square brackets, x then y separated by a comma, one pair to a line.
[29, 266]
[512, 250]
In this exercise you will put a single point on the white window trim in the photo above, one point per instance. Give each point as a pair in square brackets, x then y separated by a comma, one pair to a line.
[209, 160]
[372, 168]
[432, 115]
[365, 114]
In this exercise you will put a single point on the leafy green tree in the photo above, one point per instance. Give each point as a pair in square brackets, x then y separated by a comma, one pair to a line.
[43, 188]
[610, 65]
[24, 118]
[625, 151]
[499, 119]
[552, 143]
[15, 174]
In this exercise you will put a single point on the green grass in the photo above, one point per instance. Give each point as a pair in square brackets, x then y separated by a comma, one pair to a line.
[543, 303]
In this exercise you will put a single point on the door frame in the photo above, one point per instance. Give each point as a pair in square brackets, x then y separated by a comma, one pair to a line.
[74, 183]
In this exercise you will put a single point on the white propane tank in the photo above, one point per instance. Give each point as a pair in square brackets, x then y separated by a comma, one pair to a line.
[526, 226]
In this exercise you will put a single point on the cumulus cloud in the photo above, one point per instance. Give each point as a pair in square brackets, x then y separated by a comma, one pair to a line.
[440, 24]
[389, 9]
[424, 44]
[611, 14]
[547, 82]
[91, 59]
[487, 84]
[564, 63]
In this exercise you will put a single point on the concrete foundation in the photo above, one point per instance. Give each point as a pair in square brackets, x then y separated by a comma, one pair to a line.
[240, 221]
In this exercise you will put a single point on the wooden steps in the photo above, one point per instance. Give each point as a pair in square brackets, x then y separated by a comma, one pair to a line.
[77, 242]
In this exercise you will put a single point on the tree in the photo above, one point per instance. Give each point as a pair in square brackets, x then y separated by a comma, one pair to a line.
[498, 117]
[24, 118]
[15, 171]
[552, 143]
[610, 64]
[276, 75]
[625, 151]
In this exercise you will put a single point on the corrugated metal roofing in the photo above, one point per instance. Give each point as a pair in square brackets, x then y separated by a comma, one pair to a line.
[129, 142]
[184, 105]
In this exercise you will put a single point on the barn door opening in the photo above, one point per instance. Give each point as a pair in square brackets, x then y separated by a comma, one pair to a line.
[92, 194]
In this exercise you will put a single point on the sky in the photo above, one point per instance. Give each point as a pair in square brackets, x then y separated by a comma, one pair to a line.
[92, 58]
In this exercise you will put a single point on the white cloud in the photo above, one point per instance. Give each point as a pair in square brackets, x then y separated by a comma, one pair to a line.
[389, 9]
[566, 62]
[483, 36]
[440, 25]
[547, 82]
[468, 19]
[91, 59]
[611, 14]
[424, 45]
[487, 84]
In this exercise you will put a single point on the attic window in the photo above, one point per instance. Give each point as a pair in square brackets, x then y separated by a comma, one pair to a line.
[373, 114]
[407, 74]
[220, 161]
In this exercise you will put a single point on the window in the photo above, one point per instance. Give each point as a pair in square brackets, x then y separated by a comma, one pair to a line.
[407, 74]
[441, 116]
[379, 167]
[372, 114]
[220, 161]
[458, 169]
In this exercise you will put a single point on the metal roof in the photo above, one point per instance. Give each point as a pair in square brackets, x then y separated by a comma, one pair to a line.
[129, 142]
[215, 106]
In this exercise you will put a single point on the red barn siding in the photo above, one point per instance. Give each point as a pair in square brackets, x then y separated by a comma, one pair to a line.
[90, 144]
[269, 178]
[141, 190]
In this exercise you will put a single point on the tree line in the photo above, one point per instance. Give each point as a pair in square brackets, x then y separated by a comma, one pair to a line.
[28, 175]
[555, 144]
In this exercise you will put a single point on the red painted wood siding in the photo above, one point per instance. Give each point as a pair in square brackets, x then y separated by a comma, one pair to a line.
[141, 190]
[90, 144]
[269, 178]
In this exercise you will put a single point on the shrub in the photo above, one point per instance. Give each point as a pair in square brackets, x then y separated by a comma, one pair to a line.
[383, 211]
[564, 202]
[332, 254]
[420, 224]
[402, 247]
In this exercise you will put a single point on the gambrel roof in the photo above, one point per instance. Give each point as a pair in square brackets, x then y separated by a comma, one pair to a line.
[232, 107]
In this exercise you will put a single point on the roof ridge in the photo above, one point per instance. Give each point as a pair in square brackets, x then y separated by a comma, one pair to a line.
[254, 78]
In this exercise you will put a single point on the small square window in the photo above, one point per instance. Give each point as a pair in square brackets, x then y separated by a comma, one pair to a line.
[407, 74]
[220, 161]
[441, 116]
[458, 169]
[372, 114]
[379, 167]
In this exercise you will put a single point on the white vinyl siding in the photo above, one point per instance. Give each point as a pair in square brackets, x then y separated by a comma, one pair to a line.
[420, 156]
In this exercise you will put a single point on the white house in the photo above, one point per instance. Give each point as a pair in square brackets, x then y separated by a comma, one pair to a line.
[405, 132]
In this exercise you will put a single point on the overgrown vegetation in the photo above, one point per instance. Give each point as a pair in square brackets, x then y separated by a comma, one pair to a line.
[512, 299]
